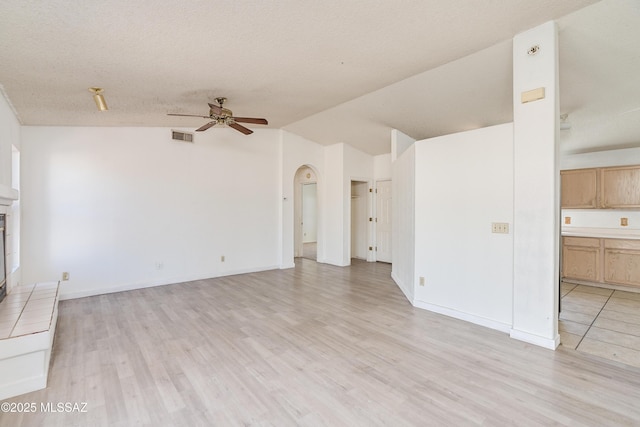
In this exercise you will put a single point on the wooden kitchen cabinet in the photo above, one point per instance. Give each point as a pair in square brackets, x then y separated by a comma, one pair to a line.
[601, 261]
[620, 187]
[622, 262]
[581, 258]
[579, 188]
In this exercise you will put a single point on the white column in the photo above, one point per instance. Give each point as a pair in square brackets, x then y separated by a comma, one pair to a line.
[536, 186]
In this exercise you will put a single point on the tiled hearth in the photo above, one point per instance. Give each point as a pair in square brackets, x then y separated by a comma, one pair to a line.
[28, 317]
[27, 310]
[602, 322]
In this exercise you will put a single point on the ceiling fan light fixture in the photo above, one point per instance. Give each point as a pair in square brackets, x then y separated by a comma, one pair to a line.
[99, 98]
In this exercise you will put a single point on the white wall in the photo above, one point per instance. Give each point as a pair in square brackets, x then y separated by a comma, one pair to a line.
[403, 221]
[382, 167]
[463, 183]
[399, 143]
[622, 157]
[120, 208]
[335, 231]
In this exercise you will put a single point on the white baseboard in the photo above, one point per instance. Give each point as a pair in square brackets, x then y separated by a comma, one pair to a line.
[285, 266]
[472, 318]
[402, 287]
[549, 343]
[141, 285]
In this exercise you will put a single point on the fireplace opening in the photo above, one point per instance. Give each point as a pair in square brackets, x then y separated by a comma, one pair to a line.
[3, 264]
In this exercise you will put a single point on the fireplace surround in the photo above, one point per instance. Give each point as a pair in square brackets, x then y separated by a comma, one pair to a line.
[3, 260]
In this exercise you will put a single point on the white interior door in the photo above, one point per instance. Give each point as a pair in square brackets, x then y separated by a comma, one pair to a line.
[383, 221]
[359, 217]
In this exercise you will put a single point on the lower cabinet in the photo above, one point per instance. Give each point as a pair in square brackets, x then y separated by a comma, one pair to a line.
[581, 258]
[622, 261]
[609, 261]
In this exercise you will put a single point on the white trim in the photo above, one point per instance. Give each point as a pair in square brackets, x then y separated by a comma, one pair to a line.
[285, 266]
[551, 344]
[482, 321]
[141, 285]
[402, 287]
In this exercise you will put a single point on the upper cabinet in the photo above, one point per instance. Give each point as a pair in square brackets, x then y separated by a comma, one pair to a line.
[579, 188]
[620, 187]
[615, 187]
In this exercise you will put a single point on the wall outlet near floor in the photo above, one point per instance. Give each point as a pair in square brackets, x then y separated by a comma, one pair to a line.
[500, 227]
[421, 281]
[624, 222]
[65, 275]
[159, 265]
[567, 220]
[222, 258]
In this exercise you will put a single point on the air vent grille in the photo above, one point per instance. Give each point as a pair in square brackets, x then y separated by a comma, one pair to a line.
[181, 136]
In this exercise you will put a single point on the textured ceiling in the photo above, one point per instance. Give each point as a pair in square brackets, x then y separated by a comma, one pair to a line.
[331, 70]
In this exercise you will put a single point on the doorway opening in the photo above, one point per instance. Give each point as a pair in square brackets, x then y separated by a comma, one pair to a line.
[359, 219]
[306, 213]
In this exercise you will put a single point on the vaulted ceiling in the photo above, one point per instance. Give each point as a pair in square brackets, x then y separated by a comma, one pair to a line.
[332, 70]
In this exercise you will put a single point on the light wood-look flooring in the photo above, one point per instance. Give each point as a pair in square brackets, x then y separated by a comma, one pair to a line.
[310, 250]
[311, 346]
[602, 322]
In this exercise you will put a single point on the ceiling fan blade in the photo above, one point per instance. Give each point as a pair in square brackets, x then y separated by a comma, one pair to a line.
[240, 128]
[216, 109]
[251, 120]
[187, 115]
[205, 127]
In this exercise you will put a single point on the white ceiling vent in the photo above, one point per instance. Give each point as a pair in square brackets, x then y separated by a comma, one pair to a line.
[181, 136]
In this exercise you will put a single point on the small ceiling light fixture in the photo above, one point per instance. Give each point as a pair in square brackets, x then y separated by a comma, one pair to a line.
[533, 50]
[98, 98]
[564, 124]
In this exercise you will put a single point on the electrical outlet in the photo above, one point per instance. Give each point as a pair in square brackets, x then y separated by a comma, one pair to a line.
[65, 275]
[567, 220]
[500, 227]
[159, 265]
[222, 258]
[421, 281]
[624, 222]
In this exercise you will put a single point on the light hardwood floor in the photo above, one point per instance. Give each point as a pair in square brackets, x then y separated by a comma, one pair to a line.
[314, 345]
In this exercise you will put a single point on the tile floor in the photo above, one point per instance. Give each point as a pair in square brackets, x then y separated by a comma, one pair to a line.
[602, 322]
[27, 309]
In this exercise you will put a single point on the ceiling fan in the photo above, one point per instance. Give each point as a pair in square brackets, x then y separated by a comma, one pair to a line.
[223, 116]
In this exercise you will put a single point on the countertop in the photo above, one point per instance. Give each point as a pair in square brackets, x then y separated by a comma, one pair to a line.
[601, 233]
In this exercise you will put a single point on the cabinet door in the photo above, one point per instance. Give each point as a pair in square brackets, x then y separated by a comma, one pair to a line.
[579, 188]
[620, 187]
[622, 262]
[581, 258]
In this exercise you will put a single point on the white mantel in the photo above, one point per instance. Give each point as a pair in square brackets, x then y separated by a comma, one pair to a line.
[7, 195]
